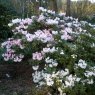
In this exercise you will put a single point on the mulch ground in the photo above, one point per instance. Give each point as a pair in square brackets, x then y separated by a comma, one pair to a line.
[19, 82]
[15, 87]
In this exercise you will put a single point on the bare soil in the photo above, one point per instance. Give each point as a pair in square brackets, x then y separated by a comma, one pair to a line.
[19, 82]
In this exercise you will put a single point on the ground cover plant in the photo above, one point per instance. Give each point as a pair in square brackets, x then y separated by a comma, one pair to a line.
[60, 49]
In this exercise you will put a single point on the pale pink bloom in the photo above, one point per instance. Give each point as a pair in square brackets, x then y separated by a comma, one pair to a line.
[52, 50]
[34, 56]
[37, 56]
[41, 18]
[65, 35]
[38, 33]
[29, 37]
[68, 30]
[10, 53]
[17, 59]
[26, 21]
[51, 22]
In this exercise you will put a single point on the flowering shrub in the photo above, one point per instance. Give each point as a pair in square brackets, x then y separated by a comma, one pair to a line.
[61, 50]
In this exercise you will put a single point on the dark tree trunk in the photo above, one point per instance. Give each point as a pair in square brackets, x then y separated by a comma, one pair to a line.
[53, 5]
[68, 11]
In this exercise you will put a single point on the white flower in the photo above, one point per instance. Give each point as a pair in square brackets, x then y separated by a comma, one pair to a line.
[14, 21]
[42, 9]
[51, 22]
[54, 75]
[62, 14]
[6, 58]
[46, 50]
[50, 65]
[74, 56]
[69, 81]
[82, 64]
[37, 76]
[60, 90]
[17, 59]
[48, 79]
[41, 18]
[88, 74]
[37, 1]
[55, 32]
[62, 52]
[77, 79]
[10, 24]
[63, 73]
[57, 18]
[35, 67]
[52, 50]
[24, 32]
[69, 24]
[41, 83]
[21, 56]
[54, 64]
[25, 27]
[50, 82]
[48, 45]
[51, 12]
[48, 60]
[66, 72]
[90, 81]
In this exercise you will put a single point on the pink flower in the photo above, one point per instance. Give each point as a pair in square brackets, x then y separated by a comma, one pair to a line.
[37, 56]
[29, 37]
[65, 35]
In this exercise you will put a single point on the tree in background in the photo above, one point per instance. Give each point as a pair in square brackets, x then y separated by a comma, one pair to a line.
[54, 5]
[26, 8]
[68, 11]
[82, 9]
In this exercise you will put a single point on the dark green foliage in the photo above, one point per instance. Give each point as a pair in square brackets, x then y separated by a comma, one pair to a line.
[92, 20]
[5, 17]
[85, 48]
[1, 51]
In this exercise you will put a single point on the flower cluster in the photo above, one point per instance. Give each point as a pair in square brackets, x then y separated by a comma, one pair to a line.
[49, 50]
[45, 10]
[51, 62]
[37, 56]
[63, 77]
[44, 36]
[89, 71]
[81, 64]
[10, 53]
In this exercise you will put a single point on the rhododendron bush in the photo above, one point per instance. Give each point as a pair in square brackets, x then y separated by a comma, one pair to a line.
[60, 49]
